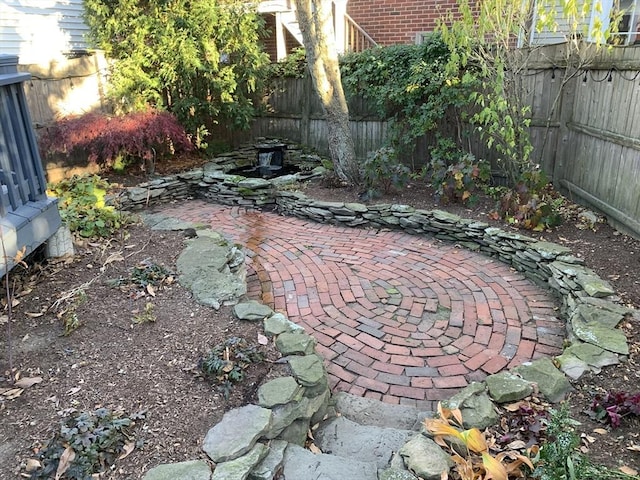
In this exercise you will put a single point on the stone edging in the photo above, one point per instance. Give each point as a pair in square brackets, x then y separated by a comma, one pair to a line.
[588, 306]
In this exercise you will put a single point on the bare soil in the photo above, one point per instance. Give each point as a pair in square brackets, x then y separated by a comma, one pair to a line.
[112, 361]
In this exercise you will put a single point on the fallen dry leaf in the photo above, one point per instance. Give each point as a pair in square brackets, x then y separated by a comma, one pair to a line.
[601, 431]
[516, 445]
[27, 382]
[628, 471]
[65, 462]
[35, 314]
[32, 465]
[151, 290]
[12, 393]
[514, 407]
[74, 390]
[127, 449]
[314, 448]
[634, 448]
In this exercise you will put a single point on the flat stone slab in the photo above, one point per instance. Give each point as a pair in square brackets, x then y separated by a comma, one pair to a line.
[236, 433]
[193, 470]
[367, 411]
[301, 464]
[348, 439]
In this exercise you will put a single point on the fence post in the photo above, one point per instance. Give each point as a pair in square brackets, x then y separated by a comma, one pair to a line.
[565, 114]
[305, 111]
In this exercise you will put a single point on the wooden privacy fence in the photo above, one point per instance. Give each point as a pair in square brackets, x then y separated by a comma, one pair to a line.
[586, 136]
[589, 143]
[66, 87]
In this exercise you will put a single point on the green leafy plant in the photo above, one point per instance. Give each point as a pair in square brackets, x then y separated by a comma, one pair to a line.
[459, 181]
[409, 86]
[382, 170]
[81, 201]
[294, 65]
[532, 204]
[559, 459]
[470, 449]
[146, 315]
[200, 59]
[149, 273]
[226, 363]
[88, 443]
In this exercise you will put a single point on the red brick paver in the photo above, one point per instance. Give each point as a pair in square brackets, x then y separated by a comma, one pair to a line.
[402, 318]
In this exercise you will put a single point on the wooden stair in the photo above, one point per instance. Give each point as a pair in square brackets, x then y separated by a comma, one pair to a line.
[350, 37]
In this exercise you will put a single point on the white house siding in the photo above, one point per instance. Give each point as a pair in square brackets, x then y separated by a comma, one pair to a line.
[39, 31]
[563, 28]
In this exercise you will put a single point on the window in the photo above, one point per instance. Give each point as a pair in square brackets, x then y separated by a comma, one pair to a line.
[629, 26]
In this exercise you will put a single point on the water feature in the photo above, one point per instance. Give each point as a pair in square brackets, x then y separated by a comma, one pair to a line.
[270, 162]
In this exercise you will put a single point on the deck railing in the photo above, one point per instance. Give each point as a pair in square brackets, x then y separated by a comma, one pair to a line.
[21, 174]
[355, 38]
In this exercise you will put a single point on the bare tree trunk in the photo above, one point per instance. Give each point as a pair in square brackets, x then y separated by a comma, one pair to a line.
[316, 24]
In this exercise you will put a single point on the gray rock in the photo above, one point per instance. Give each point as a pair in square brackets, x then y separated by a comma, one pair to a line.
[254, 183]
[269, 466]
[345, 438]
[551, 381]
[295, 343]
[475, 405]
[592, 355]
[285, 415]
[237, 432]
[301, 464]
[607, 305]
[278, 392]
[203, 268]
[548, 250]
[252, 310]
[611, 339]
[446, 217]
[601, 316]
[594, 285]
[396, 474]
[425, 458]
[296, 433]
[571, 365]
[278, 323]
[241, 467]
[507, 387]
[193, 470]
[367, 411]
[308, 370]
[159, 221]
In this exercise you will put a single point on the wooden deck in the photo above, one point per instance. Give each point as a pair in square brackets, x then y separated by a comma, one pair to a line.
[27, 216]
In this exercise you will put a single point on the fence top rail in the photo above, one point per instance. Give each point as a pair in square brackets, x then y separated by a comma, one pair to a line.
[593, 58]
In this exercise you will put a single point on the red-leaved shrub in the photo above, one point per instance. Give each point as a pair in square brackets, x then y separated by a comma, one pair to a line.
[136, 136]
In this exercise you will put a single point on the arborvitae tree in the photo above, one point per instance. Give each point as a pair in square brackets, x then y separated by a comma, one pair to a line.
[200, 59]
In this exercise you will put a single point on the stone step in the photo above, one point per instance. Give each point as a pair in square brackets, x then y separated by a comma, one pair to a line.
[301, 464]
[358, 444]
[345, 438]
[366, 411]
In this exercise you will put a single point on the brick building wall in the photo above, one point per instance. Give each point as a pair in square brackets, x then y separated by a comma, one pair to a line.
[391, 22]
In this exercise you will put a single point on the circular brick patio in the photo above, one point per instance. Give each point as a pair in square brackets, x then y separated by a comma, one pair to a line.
[400, 318]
